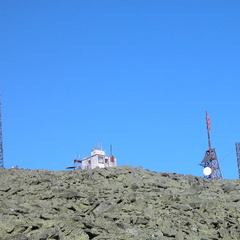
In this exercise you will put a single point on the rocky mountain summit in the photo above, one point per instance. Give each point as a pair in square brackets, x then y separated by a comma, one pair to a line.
[116, 203]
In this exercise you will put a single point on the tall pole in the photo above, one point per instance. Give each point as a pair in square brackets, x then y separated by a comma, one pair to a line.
[208, 130]
[111, 150]
[210, 162]
[238, 157]
[1, 140]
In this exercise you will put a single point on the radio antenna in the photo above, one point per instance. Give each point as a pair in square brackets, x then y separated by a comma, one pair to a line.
[210, 162]
[1, 139]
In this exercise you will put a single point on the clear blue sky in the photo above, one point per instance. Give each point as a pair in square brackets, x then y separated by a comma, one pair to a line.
[135, 74]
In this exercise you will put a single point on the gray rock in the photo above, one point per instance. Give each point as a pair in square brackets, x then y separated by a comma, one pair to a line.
[116, 203]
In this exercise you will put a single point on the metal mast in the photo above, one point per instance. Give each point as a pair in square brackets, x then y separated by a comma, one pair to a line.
[1, 140]
[210, 162]
[238, 157]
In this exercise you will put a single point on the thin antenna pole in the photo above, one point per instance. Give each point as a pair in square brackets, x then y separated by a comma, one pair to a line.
[110, 150]
[238, 157]
[1, 140]
[208, 130]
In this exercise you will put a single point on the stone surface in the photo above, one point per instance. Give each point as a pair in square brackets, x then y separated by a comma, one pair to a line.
[116, 203]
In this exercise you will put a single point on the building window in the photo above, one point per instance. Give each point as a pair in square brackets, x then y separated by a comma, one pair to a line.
[89, 162]
[106, 160]
[100, 159]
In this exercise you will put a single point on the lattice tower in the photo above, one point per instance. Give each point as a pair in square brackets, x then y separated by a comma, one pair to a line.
[238, 157]
[1, 139]
[210, 162]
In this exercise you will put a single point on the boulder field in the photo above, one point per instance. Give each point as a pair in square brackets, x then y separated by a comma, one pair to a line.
[116, 203]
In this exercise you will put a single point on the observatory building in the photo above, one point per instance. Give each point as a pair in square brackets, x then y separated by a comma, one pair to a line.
[98, 158]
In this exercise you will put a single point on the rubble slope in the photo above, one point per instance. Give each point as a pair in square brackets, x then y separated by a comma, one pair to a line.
[116, 203]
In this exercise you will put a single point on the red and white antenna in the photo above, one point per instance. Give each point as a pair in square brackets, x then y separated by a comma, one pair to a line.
[208, 129]
[210, 163]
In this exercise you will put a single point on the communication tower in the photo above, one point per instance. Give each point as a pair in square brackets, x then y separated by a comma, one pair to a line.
[210, 163]
[238, 157]
[1, 140]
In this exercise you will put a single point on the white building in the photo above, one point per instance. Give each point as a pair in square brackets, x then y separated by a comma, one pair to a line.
[98, 158]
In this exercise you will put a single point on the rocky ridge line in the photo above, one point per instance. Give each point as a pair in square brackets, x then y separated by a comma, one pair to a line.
[116, 203]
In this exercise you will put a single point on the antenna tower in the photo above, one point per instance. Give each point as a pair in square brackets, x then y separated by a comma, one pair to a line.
[238, 157]
[210, 162]
[1, 140]
[110, 150]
